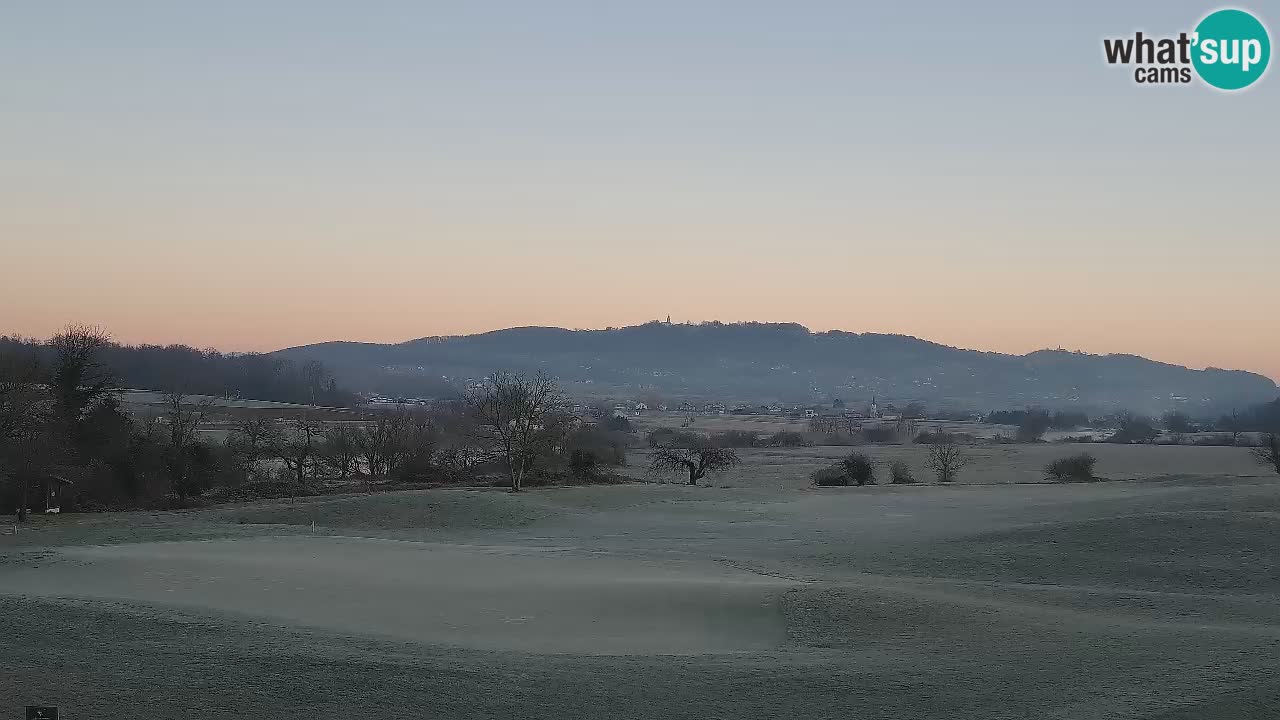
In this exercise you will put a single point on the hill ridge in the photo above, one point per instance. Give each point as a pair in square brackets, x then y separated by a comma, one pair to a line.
[787, 362]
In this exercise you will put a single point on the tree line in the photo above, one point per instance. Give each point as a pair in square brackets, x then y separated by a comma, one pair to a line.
[1130, 427]
[198, 372]
[64, 433]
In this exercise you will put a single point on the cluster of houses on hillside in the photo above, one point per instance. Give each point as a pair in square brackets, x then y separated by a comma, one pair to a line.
[872, 410]
[387, 401]
[869, 410]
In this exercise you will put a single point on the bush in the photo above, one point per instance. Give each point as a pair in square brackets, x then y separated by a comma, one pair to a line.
[787, 439]
[1134, 429]
[900, 473]
[1035, 423]
[736, 439]
[608, 447]
[1075, 439]
[1217, 440]
[833, 476]
[1267, 451]
[661, 436]
[583, 463]
[859, 468]
[1073, 467]
[840, 439]
[934, 437]
[617, 423]
[945, 438]
[880, 434]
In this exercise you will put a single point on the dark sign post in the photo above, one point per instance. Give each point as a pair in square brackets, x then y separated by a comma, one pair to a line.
[35, 712]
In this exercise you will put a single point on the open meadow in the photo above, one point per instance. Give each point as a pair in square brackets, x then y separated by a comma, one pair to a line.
[655, 360]
[988, 464]
[1154, 595]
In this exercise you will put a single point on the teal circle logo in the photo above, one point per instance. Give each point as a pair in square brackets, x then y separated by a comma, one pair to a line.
[1231, 49]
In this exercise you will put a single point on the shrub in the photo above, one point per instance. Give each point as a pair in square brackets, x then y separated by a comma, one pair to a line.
[1075, 439]
[934, 437]
[841, 439]
[1034, 425]
[946, 438]
[1134, 429]
[608, 448]
[859, 468]
[1069, 420]
[736, 439]
[583, 463]
[617, 423]
[881, 434]
[787, 439]
[660, 437]
[1267, 451]
[1073, 467]
[833, 476]
[1216, 440]
[900, 473]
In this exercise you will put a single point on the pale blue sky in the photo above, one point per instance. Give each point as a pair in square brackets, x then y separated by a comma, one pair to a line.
[252, 175]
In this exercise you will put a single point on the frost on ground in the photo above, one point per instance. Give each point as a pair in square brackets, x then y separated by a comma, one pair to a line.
[1116, 599]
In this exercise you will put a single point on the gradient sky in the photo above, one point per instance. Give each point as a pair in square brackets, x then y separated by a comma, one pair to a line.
[253, 175]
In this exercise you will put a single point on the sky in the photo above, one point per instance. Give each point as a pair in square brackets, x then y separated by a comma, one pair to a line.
[251, 176]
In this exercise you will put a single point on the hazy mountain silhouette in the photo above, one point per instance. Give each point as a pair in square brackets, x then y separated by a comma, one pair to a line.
[760, 362]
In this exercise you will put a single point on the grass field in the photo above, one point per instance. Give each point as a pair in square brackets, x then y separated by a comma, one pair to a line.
[769, 424]
[1146, 598]
[790, 467]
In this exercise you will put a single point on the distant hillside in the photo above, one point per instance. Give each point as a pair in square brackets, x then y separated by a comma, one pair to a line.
[757, 362]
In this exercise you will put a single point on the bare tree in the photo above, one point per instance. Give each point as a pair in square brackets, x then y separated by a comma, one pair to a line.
[1234, 424]
[183, 420]
[822, 425]
[1134, 428]
[906, 427]
[691, 453]
[340, 450]
[314, 376]
[79, 379]
[380, 442]
[252, 441]
[519, 413]
[415, 454]
[1268, 450]
[946, 459]
[1035, 423]
[1178, 424]
[459, 446]
[183, 417]
[298, 449]
[27, 410]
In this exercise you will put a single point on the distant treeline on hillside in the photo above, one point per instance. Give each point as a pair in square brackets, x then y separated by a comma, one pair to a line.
[762, 363]
[1060, 420]
[1262, 418]
[206, 372]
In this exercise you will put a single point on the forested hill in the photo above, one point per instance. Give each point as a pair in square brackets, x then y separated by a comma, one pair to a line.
[204, 372]
[758, 362]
